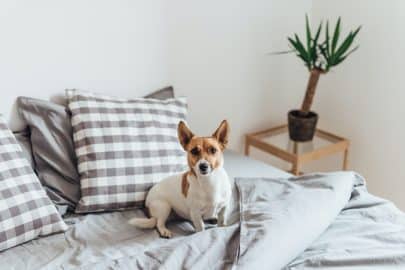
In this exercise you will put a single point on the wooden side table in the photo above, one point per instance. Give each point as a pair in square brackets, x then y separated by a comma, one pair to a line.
[276, 142]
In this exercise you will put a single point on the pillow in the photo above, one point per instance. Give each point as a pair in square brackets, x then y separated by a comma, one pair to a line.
[25, 210]
[23, 139]
[53, 149]
[123, 147]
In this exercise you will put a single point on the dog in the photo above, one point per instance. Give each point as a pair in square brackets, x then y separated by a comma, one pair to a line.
[201, 193]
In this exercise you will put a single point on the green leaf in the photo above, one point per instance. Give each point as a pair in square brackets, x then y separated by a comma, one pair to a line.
[341, 59]
[301, 48]
[303, 59]
[308, 30]
[325, 54]
[345, 46]
[357, 30]
[281, 52]
[336, 35]
[314, 45]
[318, 32]
[327, 40]
[347, 43]
[352, 50]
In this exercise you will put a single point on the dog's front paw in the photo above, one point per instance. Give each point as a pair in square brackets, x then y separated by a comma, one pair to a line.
[165, 233]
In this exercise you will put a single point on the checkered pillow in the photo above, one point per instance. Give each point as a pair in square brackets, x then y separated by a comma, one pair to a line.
[123, 147]
[25, 210]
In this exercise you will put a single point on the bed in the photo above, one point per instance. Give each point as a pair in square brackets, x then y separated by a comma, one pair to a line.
[318, 221]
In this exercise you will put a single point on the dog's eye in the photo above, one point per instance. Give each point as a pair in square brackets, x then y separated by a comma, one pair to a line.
[195, 151]
[213, 150]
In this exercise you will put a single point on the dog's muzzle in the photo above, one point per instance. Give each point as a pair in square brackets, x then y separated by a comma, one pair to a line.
[204, 167]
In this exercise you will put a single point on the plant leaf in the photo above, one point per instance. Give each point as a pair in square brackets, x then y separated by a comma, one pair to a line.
[336, 35]
[314, 55]
[301, 48]
[318, 32]
[357, 30]
[308, 30]
[345, 46]
[341, 59]
[327, 39]
[303, 59]
[349, 40]
[281, 52]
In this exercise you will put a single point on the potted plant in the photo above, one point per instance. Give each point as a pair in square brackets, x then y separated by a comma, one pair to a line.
[319, 57]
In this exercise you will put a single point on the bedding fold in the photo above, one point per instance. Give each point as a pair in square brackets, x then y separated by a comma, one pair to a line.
[316, 221]
[279, 219]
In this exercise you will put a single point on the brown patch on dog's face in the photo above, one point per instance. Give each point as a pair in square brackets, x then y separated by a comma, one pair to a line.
[206, 150]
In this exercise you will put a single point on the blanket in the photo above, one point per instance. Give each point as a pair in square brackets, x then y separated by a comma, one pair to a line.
[316, 221]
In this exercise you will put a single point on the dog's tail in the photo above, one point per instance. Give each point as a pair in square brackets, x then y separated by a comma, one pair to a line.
[144, 223]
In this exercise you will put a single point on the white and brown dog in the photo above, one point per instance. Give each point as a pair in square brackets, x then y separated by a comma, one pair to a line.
[202, 193]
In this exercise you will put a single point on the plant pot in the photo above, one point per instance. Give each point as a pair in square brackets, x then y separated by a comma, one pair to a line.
[301, 126]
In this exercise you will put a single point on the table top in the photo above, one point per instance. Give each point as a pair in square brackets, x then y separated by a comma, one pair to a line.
[278, 139]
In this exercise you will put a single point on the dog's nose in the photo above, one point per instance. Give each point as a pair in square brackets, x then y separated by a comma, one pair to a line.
[203, 167]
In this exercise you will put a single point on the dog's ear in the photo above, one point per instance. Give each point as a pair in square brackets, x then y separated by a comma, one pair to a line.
[185, 135]
[222, 133]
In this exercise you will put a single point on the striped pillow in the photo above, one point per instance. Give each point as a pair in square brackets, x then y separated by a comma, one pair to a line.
[123, 147]
[25, 210]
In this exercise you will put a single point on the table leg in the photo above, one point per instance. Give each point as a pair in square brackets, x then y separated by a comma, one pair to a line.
[247, 149]
[346, 159]
[295, 168]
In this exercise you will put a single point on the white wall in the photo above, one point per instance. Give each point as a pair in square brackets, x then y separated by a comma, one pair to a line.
[117, 47]
[364, 98]
[219, 59]
[214, 52]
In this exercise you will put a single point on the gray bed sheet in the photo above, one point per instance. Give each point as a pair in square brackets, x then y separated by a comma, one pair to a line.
[326, 221]
[106, 241]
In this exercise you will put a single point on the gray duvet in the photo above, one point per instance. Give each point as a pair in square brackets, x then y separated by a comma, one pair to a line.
[317, 221]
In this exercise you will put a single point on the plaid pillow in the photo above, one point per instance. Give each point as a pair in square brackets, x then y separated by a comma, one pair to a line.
[25, 210]
[123, 147]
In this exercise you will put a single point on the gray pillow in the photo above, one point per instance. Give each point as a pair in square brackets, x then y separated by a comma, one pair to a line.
[53, 148]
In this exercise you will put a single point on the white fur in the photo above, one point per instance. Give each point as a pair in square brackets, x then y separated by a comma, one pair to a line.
[208, 197]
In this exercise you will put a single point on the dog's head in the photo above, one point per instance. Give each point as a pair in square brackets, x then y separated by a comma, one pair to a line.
[204, 154]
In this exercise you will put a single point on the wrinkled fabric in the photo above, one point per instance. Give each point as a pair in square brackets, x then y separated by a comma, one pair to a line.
[103, 241]
[318, 221]
[52, 147]
[369, 233]
[278, 222]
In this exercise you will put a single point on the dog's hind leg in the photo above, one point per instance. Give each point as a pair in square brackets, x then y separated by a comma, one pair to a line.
[160, 210]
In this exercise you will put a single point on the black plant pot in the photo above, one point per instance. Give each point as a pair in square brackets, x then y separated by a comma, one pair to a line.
[301, 126]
